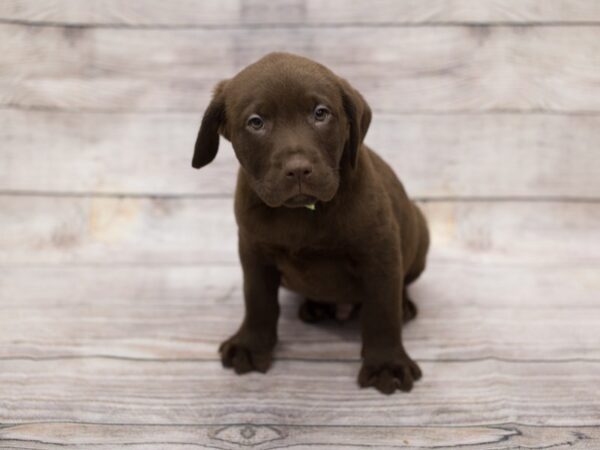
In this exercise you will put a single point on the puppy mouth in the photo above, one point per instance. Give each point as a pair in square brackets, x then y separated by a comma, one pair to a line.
[300, 200]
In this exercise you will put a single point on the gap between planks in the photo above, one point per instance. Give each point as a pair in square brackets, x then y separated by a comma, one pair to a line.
[11, 106]
[302, 359]
[162, 196]
[296, 25]
[210, 424]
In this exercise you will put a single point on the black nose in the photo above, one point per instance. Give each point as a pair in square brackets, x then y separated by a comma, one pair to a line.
[298, 169]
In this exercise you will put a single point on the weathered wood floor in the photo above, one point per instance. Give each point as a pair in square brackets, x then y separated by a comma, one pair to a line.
[118, 266]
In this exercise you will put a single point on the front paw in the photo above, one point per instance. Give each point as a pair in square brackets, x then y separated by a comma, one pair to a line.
[243, 357]
[399, 372]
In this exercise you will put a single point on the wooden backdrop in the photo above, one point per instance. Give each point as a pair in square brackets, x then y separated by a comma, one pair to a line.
[118, 265]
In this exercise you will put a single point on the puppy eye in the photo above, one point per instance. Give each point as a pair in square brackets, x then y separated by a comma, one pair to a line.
[321, 113]
[255, 122]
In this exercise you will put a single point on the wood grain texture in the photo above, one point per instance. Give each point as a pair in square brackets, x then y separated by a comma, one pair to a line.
[296, 393]
[467, 312]
[428, 69]
[447, 156]
[80, 230]
[313, 12]
[113, 356]
[235, 436]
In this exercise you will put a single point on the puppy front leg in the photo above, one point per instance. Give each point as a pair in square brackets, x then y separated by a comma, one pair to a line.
[251, 348]
[386, 365]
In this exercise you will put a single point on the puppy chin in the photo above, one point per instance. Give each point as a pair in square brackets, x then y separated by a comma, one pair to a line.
[301, 200]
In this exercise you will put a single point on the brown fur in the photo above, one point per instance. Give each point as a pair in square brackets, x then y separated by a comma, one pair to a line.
[362, 245]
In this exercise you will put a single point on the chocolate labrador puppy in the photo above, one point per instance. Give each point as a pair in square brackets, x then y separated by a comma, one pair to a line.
[318, 212]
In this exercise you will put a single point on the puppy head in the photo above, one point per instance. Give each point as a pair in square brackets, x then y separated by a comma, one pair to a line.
[294, 127]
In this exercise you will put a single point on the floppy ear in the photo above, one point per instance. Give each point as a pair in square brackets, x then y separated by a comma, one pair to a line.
[359, 117]
[213, 122]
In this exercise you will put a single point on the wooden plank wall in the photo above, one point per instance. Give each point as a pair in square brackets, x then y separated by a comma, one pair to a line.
[118, 266]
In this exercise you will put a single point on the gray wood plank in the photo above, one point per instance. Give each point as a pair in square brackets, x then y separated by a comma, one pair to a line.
[314, 12]
[234, 436]
[456, 156]
[466, 312]
[427, 69]
[296, 393]
[128, 230]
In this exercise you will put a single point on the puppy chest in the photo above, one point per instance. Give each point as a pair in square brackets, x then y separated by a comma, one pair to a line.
[318, 275]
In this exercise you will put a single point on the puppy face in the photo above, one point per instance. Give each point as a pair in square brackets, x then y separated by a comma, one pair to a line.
[294, 127]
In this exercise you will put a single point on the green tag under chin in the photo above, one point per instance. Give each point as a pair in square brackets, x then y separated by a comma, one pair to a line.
[311, 206]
